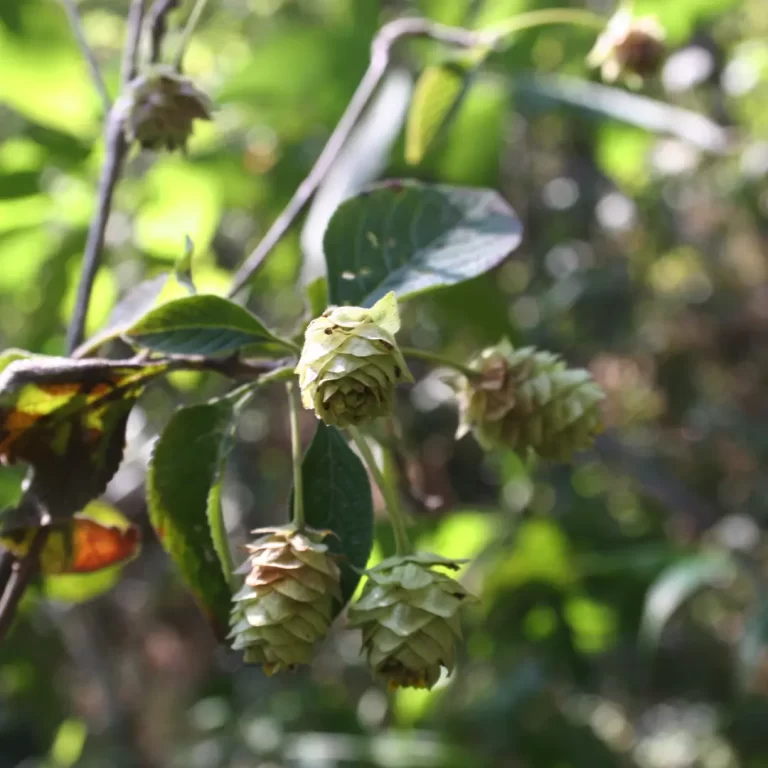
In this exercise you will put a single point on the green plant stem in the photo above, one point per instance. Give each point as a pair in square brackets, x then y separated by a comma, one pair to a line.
[433, 357]
[500, 31]
[286, 373]
[396, 516]
[545, 16]
[189, 28]
[242, 395]
[296, 455]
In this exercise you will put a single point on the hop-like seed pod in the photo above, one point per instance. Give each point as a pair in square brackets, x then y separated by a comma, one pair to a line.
[628, 47]
[350, 363]
[286, 604]
[409, 615]
[160, 107]
[528, 400]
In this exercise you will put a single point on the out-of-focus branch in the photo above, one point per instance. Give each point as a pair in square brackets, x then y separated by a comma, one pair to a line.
[6, 567]
[23, 569]
[116, 151]
[381, 52]
[93, 67]
[132, 42]
[158, 27]
[189, 28]
[233, 367]
[21, 572]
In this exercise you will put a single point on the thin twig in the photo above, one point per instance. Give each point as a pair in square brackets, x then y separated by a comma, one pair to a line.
[381, 50]
[116, 150]
[436, 359]
[158, 27]
[77, 29]
[233, 367]
[21, 574]
[6, 567]
[132, 42]
[189, 28]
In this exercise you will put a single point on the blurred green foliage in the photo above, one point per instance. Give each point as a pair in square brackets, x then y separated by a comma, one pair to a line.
[644, 258]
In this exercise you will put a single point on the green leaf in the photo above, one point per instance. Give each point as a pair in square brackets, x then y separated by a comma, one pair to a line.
[134, 305]
[186, 465]
[408, 237]
[678, 584]
[337, 497]
[200, 325]
[317, 294]
[81, 587]
[436, 99]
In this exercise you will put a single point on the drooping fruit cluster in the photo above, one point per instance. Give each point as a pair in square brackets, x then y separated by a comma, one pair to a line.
[286, 604]
[528, 400]
[520, 399]
[350, 363]
[409, 615]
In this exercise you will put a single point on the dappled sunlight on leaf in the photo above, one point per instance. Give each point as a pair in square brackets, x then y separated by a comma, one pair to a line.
[413, 238]
[186, 464]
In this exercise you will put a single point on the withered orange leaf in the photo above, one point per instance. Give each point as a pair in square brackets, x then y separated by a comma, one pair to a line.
[95, 546]
[95, 538]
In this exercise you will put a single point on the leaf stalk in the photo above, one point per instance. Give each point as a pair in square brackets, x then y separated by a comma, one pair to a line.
[396, 516]
[440, 360]
[296, 457]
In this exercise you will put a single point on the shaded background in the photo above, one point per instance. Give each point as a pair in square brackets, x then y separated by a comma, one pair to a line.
[624, 611]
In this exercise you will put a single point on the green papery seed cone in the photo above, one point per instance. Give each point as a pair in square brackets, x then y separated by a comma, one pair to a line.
[350, 363]
[160, 107]
[409, 616]
[286, 603]
[529, 401]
